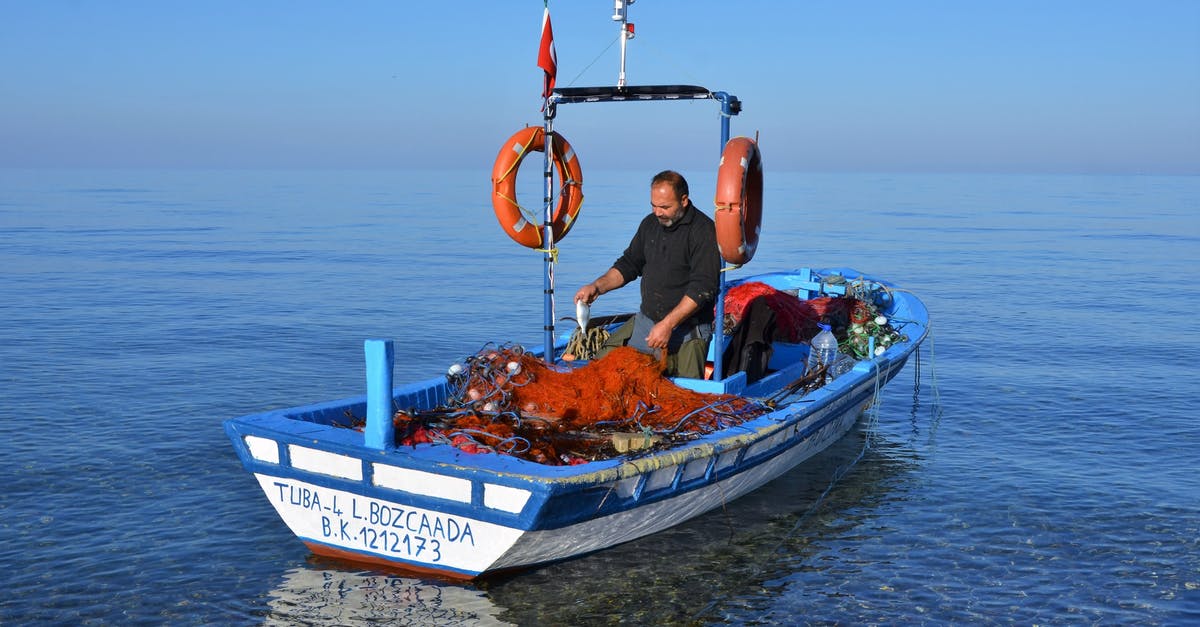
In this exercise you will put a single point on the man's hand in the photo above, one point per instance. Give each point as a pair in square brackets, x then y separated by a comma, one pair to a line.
[607, 282]
[660, 335]
[587, 293]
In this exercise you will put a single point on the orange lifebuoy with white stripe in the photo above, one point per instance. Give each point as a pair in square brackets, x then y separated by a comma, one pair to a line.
[521, 226]
[739, 200]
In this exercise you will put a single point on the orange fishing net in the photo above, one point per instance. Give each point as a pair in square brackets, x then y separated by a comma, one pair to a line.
[508, 401]
[504, 400]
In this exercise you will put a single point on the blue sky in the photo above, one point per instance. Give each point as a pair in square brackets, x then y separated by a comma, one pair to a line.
[1091, 86]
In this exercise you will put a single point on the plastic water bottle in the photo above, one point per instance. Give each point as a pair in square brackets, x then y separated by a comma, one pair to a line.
[824, 348]
[843, 364]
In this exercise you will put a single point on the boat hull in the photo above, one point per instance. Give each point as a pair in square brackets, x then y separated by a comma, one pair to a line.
[537, 547]
[434, 509]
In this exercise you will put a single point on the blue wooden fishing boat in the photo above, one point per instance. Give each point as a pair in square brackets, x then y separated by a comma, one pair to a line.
[434, 508]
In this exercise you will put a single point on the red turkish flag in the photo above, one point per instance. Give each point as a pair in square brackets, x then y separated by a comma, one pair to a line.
[547, 59]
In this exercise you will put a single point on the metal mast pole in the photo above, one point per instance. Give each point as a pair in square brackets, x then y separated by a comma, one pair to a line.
[728, 110]
[621, 14]
[548, 233]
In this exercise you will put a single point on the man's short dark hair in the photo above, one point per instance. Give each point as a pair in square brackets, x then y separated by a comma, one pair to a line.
[675, 179]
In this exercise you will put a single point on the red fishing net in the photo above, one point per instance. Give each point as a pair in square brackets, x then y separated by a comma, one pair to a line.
[796, 320]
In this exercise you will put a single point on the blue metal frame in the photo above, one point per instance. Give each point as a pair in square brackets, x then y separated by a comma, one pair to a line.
[730, 106]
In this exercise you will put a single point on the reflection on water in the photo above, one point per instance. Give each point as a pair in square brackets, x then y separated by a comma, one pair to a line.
[320, 594]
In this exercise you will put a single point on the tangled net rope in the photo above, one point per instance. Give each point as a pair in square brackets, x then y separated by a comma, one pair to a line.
[585, 345]
[504, 400]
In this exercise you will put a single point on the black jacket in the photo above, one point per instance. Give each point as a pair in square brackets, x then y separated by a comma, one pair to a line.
[674, 261]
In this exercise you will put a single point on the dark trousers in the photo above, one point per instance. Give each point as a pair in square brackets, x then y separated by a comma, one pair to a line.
[688, 361]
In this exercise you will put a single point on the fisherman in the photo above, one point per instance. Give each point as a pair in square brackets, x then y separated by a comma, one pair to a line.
[674, 251]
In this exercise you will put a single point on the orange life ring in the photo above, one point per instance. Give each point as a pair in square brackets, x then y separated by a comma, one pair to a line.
[521, 226]
[739, 200]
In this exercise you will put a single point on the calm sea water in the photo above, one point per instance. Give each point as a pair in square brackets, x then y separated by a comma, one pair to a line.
[1039, 465]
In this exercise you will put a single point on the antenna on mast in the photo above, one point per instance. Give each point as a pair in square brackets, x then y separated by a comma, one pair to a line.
[621, 14]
